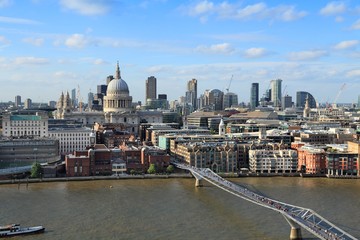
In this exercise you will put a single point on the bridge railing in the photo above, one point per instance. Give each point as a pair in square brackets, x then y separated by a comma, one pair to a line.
[307, 218]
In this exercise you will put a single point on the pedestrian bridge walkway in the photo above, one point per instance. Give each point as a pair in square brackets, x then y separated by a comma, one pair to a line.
[295, 216]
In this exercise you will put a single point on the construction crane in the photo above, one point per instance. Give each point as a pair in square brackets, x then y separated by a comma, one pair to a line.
[228, 88]
[338, 95]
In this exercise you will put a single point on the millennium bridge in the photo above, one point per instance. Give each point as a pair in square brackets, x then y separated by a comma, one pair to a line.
[296, 216]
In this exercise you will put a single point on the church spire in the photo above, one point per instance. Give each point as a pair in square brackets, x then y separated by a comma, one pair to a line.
[117, 75]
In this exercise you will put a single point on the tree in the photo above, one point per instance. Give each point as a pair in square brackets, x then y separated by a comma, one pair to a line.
[36, 170]
[152, 169]
[170, 169]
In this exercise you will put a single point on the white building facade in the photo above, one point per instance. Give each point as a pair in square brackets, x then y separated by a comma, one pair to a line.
[29, 125]
[273, 161]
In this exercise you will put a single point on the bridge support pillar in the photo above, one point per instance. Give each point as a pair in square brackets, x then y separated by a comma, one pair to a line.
[198, 182]
[295, 233]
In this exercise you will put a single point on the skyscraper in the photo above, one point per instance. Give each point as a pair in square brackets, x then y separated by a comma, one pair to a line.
[301, 99]
[17, 101]
[150, 88]
[73, 97]
[27, 103]
[276, 92]
[254, 96]
[286, 102]
[230, 99]
[191, 93]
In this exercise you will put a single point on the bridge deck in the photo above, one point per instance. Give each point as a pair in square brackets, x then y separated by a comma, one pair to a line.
[306, 218]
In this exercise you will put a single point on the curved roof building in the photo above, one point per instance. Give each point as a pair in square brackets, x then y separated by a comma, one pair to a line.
[301, 99]
[117, 97]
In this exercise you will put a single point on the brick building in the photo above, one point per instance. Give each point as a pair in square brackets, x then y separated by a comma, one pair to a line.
[95, 161]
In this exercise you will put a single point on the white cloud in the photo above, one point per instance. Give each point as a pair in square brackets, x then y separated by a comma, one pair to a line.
[353, 73]
[76, 41]
[5, 3]
[17, 20]
[4, 40]
[356, 25]
[63, 74]
[255, 52]
[306, 55]
[99, 61]
[250, 10]
[201, 8]
[87, 7]
[34, 41]
[222, 48]
[339, 19]
[258, 11]
[347, 44]
[30, 60]
[333, 8]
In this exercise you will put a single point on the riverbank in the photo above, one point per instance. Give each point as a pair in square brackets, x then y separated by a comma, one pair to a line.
[93, 178]
[164, 176]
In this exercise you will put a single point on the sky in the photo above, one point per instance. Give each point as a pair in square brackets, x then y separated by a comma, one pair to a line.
[52, 46]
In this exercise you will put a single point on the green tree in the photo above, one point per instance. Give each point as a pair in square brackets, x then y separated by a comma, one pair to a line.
[170, 169]
[36, 170]
[152, 169]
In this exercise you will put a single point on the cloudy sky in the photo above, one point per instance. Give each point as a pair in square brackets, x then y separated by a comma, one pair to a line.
[50, 46]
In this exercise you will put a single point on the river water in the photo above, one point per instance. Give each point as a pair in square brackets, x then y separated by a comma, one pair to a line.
[173, 208]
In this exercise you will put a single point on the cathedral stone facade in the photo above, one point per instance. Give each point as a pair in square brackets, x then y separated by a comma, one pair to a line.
[117, 108]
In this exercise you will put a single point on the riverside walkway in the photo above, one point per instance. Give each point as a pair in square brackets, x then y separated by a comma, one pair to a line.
[295, 216]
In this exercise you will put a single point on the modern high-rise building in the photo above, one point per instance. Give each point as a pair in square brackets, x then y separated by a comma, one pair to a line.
[73, 97]
[301, 99]
[150, 88]
[276, 92]
[17, 101]
[358, 105]
[90, 99]
[213, 99]
[27, 103]
[286, 102]
[254, 96]
[230, 99]
[191, 93]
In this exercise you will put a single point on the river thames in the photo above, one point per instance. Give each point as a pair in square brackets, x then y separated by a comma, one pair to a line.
[174, 208]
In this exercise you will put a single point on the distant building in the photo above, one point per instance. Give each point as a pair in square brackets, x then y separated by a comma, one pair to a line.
[25, 125]
[213, 99]
[95, 161]
[230, 99]
[150, 88]
[301, 99]
[73, 97]
[17, 101]
[276, 93]
[286, 102]
[70, 138]
[254, 96]
[21, 152]
[340, 161]
[273, 161]
[191, 93]
[27, 103]
[311, 160]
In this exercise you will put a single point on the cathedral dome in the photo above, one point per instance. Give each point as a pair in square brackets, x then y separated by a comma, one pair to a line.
[117, 86]
[117, 97]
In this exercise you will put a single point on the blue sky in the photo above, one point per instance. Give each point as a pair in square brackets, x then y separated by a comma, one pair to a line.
[50, 46]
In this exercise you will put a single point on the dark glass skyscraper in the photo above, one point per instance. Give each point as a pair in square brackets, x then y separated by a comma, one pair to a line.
[301, 99]
[254, 96]
[191, 93]
[150, 88]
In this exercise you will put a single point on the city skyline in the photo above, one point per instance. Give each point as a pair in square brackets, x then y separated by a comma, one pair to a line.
[312, 47]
